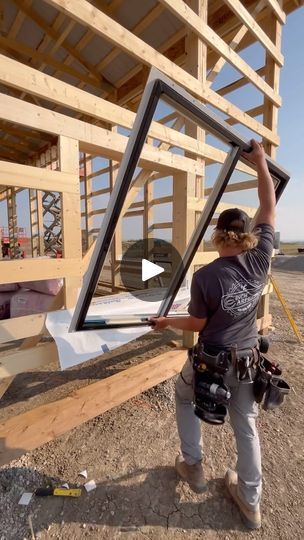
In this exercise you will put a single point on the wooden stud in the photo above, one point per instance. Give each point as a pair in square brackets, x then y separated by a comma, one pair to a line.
[68, 151]
[116, 246]
[12, 220]
[88, 194]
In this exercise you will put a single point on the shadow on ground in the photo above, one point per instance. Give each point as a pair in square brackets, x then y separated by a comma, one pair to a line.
[145, 497]
[33, 383]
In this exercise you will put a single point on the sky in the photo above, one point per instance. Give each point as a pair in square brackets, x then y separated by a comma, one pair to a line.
[290, 212]
[290, 154]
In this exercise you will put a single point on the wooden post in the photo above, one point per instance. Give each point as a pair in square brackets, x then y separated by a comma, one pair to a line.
[272, 77]
[36, 226]
[116, 247]
[87, 169]
[187, 185]
[12, 221]
[68, 151]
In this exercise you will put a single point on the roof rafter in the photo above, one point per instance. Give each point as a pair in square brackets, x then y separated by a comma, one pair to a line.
[30, 12]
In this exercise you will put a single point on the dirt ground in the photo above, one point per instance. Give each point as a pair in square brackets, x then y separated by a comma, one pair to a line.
[130, 452]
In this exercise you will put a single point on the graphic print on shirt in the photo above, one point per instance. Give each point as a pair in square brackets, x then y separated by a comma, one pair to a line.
[243, 296]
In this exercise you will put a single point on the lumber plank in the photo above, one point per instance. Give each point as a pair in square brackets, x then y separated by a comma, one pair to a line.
[26, 176]
[10, 44]
[237, 37]
[92, 139]
[12, 363]
[238, 83]
[103, 25]
[243, 14]
[20, 270]
[43, 424]
[68, 151]
[49, 30]
[21, 327]
[208, 36]
[45, 86]
[280, 14]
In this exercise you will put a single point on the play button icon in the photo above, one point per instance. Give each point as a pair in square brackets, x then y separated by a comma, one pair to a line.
[150, 270]
[148, 265]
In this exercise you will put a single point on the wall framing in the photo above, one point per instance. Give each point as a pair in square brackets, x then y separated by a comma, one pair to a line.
[39, 110]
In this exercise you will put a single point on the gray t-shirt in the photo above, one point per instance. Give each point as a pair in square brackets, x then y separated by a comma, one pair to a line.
[227, 292]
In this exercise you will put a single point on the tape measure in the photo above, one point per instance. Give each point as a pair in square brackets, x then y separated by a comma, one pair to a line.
[58, 492]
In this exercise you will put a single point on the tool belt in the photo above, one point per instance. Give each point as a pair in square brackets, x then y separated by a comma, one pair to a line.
[241, 359]
[250, 365]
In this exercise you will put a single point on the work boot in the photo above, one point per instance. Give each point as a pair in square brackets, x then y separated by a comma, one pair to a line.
[251, 518]
[193, 474]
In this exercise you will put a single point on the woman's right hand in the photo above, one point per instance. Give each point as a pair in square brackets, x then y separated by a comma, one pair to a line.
[257, 154]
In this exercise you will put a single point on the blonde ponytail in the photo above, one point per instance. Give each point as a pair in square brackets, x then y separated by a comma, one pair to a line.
[223, 239]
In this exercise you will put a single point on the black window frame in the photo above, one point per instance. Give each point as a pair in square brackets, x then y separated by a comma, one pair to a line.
[161, 87]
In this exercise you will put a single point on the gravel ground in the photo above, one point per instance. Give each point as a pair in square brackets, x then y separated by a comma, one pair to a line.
[129, 452]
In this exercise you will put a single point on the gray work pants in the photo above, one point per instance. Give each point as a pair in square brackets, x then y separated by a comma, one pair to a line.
[243, 411]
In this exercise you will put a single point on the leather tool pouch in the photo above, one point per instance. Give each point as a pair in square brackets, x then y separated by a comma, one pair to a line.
[243, 360]
[268, 383]
[218, 363]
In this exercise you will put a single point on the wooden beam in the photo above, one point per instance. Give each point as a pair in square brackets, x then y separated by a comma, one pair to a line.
[272, 76]
[239, 83]
[234, 42]
[68, 151]
[237, 186]
[243, 14]
[155, 12]
[29, 430]
[18, 21]
[106, 27]
[12, 45]
[23, 77]
[20, 270]
[208, 36]
[25, 176]
[92, 139]
[255, 111]
[30, 12]
[12, 363]
[280, 14]
[28, 325]
[198, 204]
